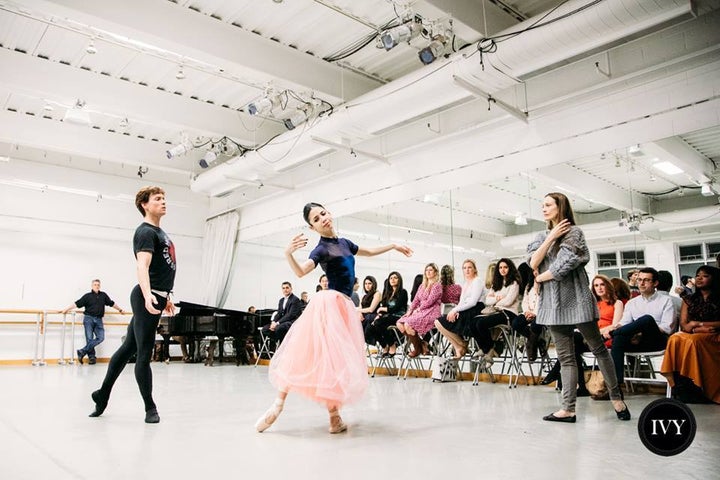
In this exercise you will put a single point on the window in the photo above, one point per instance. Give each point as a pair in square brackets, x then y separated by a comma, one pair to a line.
[618, 264]
[693, 256]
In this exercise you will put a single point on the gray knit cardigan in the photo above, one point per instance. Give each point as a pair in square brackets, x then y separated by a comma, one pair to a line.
[567, 299]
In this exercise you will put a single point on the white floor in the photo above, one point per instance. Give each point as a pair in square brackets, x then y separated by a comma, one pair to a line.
[402, 429]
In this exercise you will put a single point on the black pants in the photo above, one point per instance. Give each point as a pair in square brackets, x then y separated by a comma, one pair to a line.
[521, 325]
[377, 330]
[652, 339]
[279, 333]
[479, 328]
[140, 341]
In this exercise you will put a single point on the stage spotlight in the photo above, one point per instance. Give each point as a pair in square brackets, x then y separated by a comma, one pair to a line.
[180, 149]
[299, 117]
[210, 157]
[434, 50]
[392, 37]
[264, 105]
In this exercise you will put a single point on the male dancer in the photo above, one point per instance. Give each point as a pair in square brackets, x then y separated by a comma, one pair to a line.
[155, 258]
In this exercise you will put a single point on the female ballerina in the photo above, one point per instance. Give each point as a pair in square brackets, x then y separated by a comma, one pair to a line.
[323, 354]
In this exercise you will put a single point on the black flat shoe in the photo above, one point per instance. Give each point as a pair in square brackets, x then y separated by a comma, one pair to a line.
[623, 414]
[550, 378]
[553, 418]
[100, 403]
[151, 416]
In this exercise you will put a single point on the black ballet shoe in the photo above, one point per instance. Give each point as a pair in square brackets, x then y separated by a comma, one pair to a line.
[582, 392]
[151, 416]
[100, 403]
[623, 414]
[549, 379]
[553, 418]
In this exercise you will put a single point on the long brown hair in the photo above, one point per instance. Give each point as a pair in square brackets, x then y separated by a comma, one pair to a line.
[609, 288]
[565, 211]
[622, 291]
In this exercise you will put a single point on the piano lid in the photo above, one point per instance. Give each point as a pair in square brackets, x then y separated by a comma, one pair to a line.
[188, 309]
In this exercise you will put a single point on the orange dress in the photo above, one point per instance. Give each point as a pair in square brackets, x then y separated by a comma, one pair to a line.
[607, 312]
[696, 356]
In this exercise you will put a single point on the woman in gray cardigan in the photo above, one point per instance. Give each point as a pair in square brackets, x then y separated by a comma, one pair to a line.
[558, 257]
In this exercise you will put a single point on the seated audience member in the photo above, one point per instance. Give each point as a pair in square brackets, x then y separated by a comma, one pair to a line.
[425, 308]
[370, 301]
[183, 341]
[525, 324]
[304, 298]
[692, 356]
[504, 299]
[289, 309]
[611, 311]
[651, 314]
[622, 291]
[393, 305]
[687, 287]
[632, 281]
[665, 283]
[355, 297]
[324, 283]
[416, 285]
[251, 309]
[451, 290]
[470, 304]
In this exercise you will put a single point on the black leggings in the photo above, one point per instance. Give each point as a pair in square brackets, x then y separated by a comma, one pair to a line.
[140, 340]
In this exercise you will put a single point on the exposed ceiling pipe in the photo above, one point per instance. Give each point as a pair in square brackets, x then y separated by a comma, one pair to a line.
[432, 88]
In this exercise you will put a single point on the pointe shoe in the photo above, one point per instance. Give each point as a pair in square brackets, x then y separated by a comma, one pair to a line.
[336, 424]
[100, 403]
[269, 417]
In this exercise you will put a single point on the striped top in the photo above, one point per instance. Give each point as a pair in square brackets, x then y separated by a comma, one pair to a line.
[567, 299]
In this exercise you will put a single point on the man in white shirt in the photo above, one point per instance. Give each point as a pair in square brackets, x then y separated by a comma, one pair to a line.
[651, 314]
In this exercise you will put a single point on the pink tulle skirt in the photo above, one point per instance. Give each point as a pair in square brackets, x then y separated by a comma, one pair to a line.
[323, 354]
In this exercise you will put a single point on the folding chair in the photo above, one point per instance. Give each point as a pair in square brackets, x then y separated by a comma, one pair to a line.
[643, 370]
[265, 346]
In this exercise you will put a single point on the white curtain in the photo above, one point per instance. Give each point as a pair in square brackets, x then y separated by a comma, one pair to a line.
[217, 259]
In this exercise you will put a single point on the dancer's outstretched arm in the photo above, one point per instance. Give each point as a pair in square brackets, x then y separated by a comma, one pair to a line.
[372, 251]
[300, 269]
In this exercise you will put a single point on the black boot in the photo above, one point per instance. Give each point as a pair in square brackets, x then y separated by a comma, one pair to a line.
[553, 376]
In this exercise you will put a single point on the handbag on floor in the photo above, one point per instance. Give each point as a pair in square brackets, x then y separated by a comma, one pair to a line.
[596, 384]
[444, 369]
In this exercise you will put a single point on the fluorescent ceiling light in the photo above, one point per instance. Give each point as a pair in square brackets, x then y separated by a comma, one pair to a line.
[668, 168]
[409, 229]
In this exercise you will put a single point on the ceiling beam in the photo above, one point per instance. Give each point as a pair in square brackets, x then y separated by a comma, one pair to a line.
[469, 19]
[591, 188]
[45, 134]
[169, 26]
[697, 168]
[64, 84]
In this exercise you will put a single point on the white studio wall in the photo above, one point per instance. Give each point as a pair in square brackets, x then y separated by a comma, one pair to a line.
[56, 237]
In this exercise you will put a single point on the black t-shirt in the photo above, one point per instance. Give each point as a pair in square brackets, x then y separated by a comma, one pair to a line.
[149, 238]
[94, 303]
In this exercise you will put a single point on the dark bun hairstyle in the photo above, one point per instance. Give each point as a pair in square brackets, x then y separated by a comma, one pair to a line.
[307, 208]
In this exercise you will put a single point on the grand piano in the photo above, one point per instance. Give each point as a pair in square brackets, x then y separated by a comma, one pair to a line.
[196, 322]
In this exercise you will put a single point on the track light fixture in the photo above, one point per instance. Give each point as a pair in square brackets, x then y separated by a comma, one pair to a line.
[303, 114]
[266, 104]
[210, 157]
[435, 49]
[90, 49]
[180, 149]
[392, 37]
[180, 75]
